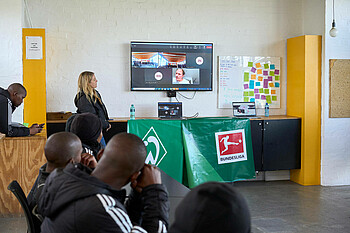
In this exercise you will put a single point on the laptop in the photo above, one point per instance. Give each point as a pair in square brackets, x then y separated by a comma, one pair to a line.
[170, 110]
[244, 109]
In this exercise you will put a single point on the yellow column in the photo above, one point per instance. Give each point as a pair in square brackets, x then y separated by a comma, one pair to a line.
[304, 100]
[34, 78]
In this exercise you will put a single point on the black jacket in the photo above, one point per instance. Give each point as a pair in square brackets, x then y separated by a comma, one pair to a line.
[84, 105]
[74, 201]
[6, 110]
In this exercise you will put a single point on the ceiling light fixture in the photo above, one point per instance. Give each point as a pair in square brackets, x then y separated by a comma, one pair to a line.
[333, 32]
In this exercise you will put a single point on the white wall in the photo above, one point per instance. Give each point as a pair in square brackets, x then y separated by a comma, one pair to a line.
[95, 35]
[335, 156]
[11, 47]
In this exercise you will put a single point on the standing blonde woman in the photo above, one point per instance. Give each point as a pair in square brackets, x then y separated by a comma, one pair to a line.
[88, 99]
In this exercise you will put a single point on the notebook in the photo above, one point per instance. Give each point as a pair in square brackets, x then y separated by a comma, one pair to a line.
[244, 109]
[170, 110]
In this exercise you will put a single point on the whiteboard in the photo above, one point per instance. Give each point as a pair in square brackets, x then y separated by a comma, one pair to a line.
[249, 79]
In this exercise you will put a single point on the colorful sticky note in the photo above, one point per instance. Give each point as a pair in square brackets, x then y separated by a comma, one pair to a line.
[277, 84]
[253, 70]
[263, 97]
[261, 90]
[277, 71]
[271, 84]
[274, 98]
[256, 90]
[258, 65]
[257, 96]
[273, 91]
[269, 78]
[277, 78]
[246, 99]
[251, 84]
[265, 72]
[246, 93]
[268, 99]
[253, 76]
[266, 66]
[246, 77]
[272, 73]
[266, 83]
[246, 86]
[257, 84]
[260, 78]
[252, 100]
[272, 67]
[259, 71]
[250, 64]
[266, 91]
[251, 93]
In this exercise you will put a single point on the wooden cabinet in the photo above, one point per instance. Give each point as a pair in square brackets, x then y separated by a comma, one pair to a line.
[276, 144]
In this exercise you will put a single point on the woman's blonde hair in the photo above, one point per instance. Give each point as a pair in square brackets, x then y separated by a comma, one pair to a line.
[84, 86]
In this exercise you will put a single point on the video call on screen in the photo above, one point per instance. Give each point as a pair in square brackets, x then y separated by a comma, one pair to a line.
[154, 66]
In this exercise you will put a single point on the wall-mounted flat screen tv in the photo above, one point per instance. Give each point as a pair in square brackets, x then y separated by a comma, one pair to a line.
[171, 66]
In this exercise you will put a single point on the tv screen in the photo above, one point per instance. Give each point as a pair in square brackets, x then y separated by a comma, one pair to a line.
[171, 66]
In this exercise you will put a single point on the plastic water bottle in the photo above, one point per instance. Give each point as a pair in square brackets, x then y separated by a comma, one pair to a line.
[267, 110]
[132, 112]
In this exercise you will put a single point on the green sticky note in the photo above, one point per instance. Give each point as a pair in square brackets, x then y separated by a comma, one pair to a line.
[245, 93]
[261, 90]
[246, 77]
[26, 124]
[250, 64]
[266, 66]
[251, 93]
[268, 99]
[246, 99]
[274, 98]
[272, 73]
[277, 77]
[266, 91]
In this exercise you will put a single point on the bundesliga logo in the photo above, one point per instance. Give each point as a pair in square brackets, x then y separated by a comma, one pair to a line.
[230, 146]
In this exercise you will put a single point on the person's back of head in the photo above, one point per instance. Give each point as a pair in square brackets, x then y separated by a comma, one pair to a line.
[62, 148]
[17, 93]
[88, 127]
[212, 207]
[122, 160]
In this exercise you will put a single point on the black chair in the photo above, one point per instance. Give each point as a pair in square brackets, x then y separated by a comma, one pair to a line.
[16, 189]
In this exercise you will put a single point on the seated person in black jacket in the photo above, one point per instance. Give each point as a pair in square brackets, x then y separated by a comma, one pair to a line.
[88, 128]
[74, 201]
[10, 99]
[60, 149]
[212, 207]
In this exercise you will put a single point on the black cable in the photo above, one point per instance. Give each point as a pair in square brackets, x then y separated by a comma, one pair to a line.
[189, 98]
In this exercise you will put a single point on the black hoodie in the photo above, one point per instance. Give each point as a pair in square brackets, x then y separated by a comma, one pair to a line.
[212, 207]
[6, 110]
[74, 201]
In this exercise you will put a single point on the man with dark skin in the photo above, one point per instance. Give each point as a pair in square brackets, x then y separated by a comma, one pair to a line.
[74, 201]
[60, 149]
[10, 99]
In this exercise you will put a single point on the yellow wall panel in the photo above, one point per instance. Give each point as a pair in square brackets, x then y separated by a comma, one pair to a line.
[304, 100]
[34, 80]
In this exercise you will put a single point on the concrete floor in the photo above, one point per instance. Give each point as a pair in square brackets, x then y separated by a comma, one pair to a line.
[277, 206]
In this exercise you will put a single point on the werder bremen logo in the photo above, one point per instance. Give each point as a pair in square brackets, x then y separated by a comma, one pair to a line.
[155, 148]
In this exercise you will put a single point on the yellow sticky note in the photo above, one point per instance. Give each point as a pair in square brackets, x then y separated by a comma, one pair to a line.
[273, 91]
[253, 76]
[258, 65]
[260, 78]
[259, 71]
[271, 84]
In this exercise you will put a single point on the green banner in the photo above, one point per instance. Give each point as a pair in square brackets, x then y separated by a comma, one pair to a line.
[163, 141]
[217, 149]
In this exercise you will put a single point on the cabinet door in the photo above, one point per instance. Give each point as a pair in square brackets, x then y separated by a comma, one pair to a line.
[281, 144]
[257, 130]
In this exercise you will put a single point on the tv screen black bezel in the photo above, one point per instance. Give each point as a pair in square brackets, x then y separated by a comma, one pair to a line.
[174, 43]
